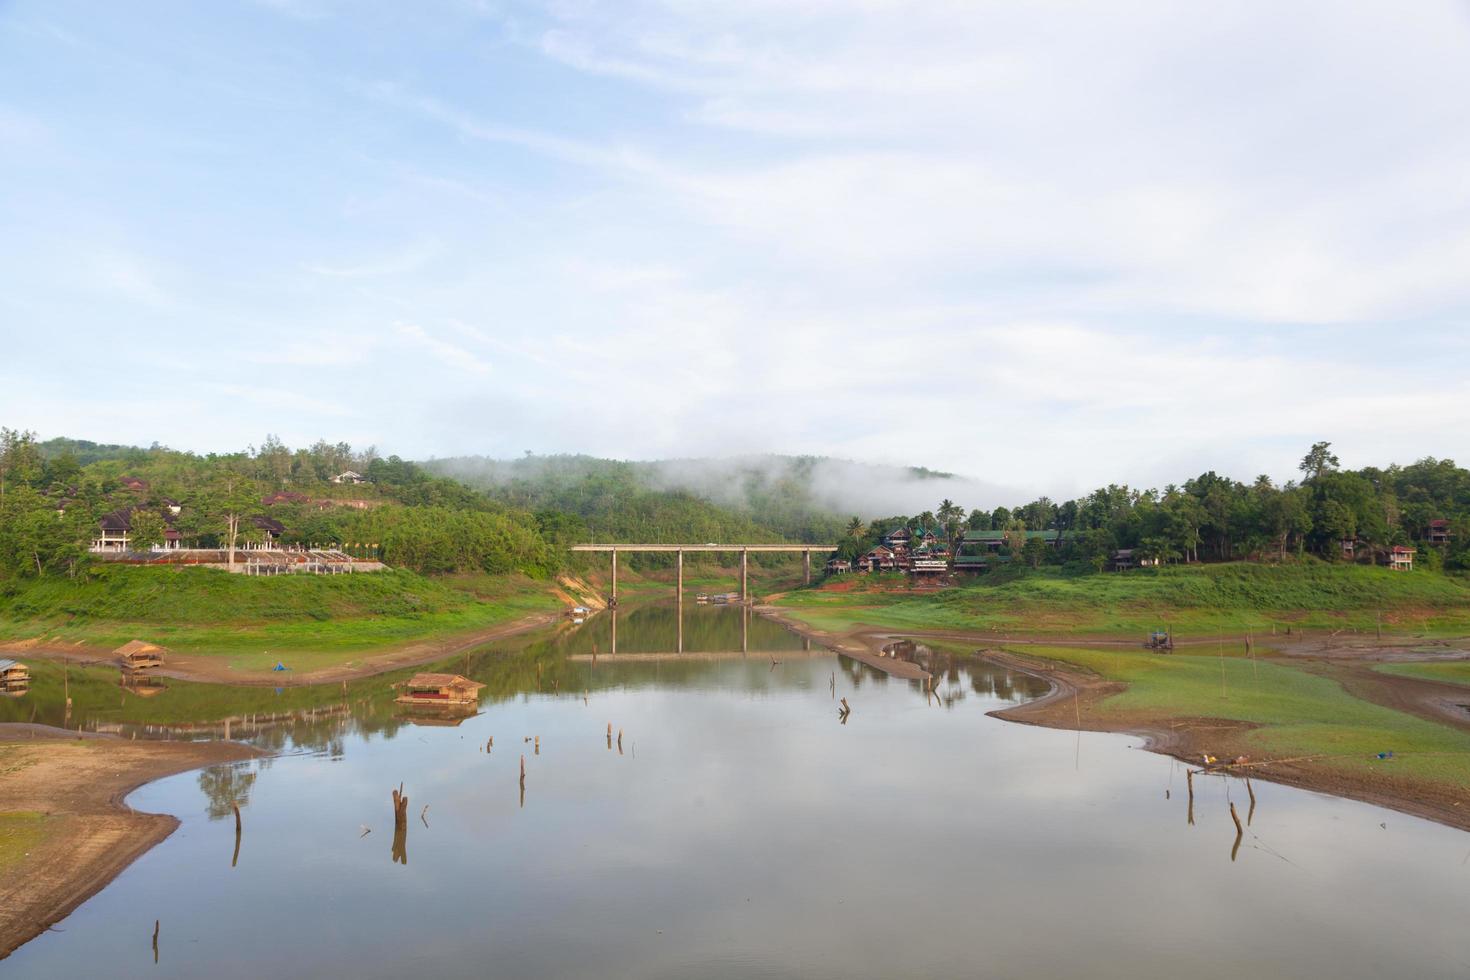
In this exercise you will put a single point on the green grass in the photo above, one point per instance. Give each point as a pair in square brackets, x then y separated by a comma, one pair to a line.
[1449, 671]
[1298, 713]
[1200, 599]
[317, 620]
[20, 831]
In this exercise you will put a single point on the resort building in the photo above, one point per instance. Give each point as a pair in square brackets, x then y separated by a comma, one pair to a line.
[880, 559]
[1439, 531]
[1126, 558]
[1401, 558]
[349, 476]
[838, 566]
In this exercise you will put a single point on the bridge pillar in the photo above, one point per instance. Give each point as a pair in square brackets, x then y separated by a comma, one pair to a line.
[806, 563]
[615, 577]
[744, 574]
[679, 575]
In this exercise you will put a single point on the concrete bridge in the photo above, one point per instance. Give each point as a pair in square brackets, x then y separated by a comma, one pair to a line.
[679, 549]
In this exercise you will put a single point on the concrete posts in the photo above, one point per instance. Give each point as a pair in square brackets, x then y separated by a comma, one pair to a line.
[679, 576]
[744, 574]
[615, 577]
[806, 565]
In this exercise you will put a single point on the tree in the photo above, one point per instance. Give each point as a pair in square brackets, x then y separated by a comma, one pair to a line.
[147, 529]
[855, 528]
[1318, 460]
[950, 517]
[1033, 552]
[224, 504]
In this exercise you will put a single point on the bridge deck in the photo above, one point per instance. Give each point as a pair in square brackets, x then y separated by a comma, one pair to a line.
[704, 547]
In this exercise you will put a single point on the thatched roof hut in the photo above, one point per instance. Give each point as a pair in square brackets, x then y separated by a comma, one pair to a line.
[439, 689]
[137, 655]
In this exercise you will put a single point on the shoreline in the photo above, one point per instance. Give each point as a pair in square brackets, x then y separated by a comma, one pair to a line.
[1072, 705]
[207, 669]
[77, 783]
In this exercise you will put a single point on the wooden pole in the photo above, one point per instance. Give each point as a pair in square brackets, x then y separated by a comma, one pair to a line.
[236, 807]
[155, 940]
[1251, 813]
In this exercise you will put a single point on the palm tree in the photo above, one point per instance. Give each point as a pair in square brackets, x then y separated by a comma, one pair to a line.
[855, 528]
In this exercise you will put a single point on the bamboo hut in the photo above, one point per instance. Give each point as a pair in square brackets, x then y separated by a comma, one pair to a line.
[15, 678]
[137, 655]
[439, 689]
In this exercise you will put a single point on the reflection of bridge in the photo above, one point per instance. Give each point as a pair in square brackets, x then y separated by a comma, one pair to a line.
[678, 651]
[679, 549]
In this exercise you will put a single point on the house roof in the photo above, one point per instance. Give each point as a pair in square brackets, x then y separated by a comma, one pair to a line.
[118, 520]
[285, 497]
[137, 646]
[7, 664]
[1439, 524]
[269, 524]
[1001, 535]
[441, 680]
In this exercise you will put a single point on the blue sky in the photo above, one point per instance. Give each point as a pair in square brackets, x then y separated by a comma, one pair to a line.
[1047, 245]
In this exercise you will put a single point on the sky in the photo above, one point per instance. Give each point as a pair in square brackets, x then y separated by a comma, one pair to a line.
[1047, 245]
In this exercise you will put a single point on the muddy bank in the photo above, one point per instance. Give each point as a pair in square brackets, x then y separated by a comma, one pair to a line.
[71, 789]
[1074, 702]
[210, 669]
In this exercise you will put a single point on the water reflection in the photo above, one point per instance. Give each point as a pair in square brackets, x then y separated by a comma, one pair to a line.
[742, 833]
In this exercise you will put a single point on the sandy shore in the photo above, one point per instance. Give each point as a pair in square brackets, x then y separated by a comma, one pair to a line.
[75, 785]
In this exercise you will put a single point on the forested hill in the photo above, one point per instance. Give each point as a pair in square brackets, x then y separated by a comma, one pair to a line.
[799, 498]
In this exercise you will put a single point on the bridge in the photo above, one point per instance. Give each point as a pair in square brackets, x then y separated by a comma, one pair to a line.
[679, 549]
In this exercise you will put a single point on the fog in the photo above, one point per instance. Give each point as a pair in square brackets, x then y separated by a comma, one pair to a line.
[836, 486]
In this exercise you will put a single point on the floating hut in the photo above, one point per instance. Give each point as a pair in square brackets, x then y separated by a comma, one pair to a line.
[15, 678]
[137, 655]
[439, 689]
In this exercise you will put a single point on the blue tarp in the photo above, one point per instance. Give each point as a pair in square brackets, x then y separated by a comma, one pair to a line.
[280, 666]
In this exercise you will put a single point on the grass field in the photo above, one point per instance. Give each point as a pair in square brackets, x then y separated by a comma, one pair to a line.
[1200, 599]
[20, 831]
[256, 620]
[1298, 713]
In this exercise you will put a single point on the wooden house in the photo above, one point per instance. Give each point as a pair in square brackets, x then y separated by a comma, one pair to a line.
[439, 689]
[880, 559]
[1439, 531]
[114, 530]
[1126, 558]
[838, 566]
[137, 655]
[898, 540]
[15, 677]
[1401, 558]
[349, 476]
[271, 532]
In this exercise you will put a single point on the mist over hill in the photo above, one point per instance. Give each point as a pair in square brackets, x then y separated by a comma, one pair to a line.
[794, 495]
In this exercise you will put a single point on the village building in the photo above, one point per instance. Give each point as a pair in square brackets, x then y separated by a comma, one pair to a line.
[114, 532]
[15, 677]
[132, 484]
[879, 559]
[838, 566]
[1439, 531]
[1401, 558]
[271, 532]
[1126, 558]
[284, 497]
[349, 476]
[439, 689]
[1349, 547]
[899, 540]
[137, 655]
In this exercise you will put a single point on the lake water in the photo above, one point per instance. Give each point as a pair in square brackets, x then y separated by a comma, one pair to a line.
[744, 830]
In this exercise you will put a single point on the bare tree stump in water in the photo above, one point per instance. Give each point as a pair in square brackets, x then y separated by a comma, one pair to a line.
[400, 826]
[236, 807]
[155, 940]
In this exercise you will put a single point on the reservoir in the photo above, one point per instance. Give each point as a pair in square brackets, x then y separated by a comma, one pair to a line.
[740, 827]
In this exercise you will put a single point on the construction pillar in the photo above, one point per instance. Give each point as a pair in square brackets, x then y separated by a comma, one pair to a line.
[744, 630]
[679, 575]
[806, 562]
[744, 574]
[614, 625]
[614, 577]
[679, 612]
